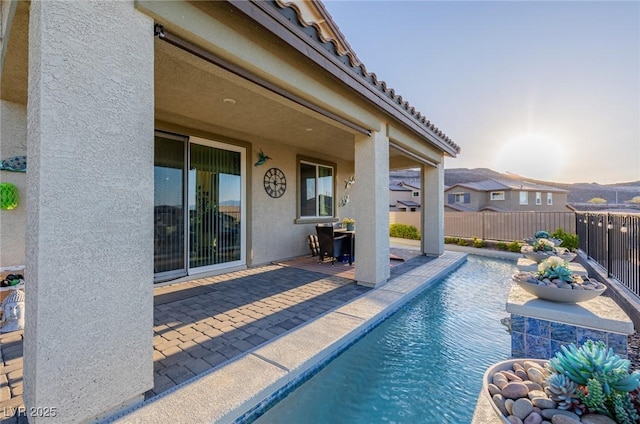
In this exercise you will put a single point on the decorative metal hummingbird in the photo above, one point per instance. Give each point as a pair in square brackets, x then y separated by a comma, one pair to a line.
[262, 158]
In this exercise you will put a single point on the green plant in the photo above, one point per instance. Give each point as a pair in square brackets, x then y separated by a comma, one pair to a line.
[479, 243]
[502, 245]
[404, 231]
[541, 234]
[543, 245]
[562, 390]
[462, 242]
[569, 240]
[597, 200]
[346, 221]
[451, 240]
[553, 268]
[514, 246]
[604, 379]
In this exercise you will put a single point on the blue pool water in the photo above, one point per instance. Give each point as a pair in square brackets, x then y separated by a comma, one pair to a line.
[424, 364]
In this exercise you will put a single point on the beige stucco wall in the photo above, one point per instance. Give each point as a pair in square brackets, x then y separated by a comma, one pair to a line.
[13, 142]
[274, 231]
[89, 307]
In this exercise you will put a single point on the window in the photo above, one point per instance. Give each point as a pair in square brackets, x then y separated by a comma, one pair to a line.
[458, 197]
[497, 195]
[316, 190]
[524, 198]
[549, 198]
[538, 198]
[415, 194]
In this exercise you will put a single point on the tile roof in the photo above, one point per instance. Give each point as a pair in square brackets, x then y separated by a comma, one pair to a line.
[409, 203]
[398, 187]
[502, 185]
[352, 63]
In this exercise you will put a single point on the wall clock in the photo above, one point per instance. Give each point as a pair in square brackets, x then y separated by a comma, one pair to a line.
[275, 183]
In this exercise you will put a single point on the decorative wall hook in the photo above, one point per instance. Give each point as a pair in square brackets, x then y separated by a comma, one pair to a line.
[345, 197]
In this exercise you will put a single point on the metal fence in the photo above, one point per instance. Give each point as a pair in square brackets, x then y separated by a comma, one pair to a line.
[613, 241]
[505, 226]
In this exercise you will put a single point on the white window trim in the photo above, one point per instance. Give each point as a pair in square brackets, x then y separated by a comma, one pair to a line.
[549, 198]
[500, 195]
[538, 198]
[455, 197]
[525, 200]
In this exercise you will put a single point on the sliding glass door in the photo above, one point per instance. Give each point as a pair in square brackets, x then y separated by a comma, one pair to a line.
[215, 205]
[199, 206]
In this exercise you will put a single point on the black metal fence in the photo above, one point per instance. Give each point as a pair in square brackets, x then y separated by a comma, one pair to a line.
[613, 241]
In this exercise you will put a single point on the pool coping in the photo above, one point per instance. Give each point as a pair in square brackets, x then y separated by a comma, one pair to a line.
[246, 386]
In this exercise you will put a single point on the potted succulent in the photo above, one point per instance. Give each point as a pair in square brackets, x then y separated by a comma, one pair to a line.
[542, 246]
[555, 281]
[578, 382]
[349, 223]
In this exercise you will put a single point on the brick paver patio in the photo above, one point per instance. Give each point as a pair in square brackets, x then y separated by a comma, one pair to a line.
[203, 323]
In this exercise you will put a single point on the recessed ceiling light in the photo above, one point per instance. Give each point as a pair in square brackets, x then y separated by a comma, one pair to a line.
[309, 129]
[229, 100]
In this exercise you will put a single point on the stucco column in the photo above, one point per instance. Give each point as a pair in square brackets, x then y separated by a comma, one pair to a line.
[432, 209]
[371, 202]
[89, 318]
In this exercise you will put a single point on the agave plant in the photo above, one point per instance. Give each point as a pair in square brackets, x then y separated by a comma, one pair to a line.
[603, 376]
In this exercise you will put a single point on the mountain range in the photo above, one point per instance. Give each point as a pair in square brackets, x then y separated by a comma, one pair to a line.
[579, 193]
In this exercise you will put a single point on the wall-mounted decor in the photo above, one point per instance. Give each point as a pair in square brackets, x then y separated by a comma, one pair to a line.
[262, 158]
[15, 164]
[8, 196]
[347, 183]
[275, 183]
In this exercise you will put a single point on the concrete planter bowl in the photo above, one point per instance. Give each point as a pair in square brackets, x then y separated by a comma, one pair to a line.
[541, 256]
[488, 379]
[555, 294]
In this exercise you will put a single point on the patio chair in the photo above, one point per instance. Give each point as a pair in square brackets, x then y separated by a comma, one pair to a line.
[330, 246]
[313, 245]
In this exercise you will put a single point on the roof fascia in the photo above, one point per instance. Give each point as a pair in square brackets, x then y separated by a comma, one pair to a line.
[264, 14]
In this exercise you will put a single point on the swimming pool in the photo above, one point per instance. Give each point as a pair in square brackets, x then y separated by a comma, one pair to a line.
[423, 364]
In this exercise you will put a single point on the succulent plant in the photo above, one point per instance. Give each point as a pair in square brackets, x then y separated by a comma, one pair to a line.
[564, 392]
[555, 267]
[542, 234]
[604, 376]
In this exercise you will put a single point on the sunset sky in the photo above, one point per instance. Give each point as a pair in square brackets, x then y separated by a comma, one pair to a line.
[548, 90]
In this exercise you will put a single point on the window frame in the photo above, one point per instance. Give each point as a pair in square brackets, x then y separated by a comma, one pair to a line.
[525, 200]
[455, 198]
[500, 197]
[538, 198]
[317, 163]
[415, 194]
[549, 198]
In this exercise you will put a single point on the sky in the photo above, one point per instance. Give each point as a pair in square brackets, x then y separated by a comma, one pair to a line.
[548, 90]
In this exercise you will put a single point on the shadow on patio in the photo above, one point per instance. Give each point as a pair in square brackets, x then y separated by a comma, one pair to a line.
[200, 324]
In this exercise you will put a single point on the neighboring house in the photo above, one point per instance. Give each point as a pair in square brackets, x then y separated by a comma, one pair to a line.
[147, 126]
[404, 198]
[504, 196]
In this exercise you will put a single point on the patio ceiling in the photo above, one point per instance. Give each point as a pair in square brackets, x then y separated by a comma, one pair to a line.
[196, 94]
[193, 93]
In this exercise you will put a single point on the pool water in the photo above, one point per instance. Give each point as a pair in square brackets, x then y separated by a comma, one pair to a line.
[424, 364]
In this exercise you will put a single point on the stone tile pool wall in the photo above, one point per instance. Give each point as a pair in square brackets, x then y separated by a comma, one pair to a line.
[539, 338]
